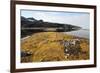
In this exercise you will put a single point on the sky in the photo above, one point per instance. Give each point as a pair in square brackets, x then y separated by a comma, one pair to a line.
[81, 19]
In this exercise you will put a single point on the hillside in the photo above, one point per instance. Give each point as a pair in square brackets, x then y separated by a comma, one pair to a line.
[31, 25]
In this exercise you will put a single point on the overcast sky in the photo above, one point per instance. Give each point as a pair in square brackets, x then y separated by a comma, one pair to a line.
[73, 18]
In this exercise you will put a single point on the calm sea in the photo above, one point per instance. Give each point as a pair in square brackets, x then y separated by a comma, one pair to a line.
[80, 33]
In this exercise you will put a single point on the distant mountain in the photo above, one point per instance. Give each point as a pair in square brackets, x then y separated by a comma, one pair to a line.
[31, 25]
[32, 22]
[27, 22]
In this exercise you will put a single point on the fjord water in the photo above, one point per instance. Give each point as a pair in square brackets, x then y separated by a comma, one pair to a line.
[84, 33]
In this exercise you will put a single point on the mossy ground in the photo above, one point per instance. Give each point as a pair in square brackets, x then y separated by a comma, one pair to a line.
[47, 46]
